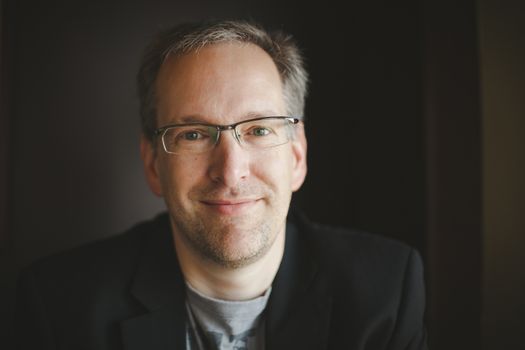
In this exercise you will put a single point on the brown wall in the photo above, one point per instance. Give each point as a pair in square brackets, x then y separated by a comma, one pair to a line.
[502, 52]
[453, 160]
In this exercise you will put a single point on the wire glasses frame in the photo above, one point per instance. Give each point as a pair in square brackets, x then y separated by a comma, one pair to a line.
[256, 133]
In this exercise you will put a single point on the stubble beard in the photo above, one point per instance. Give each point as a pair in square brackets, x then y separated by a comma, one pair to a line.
[231, 242]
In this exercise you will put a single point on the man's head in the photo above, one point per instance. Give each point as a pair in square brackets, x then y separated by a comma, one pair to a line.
[227, 201]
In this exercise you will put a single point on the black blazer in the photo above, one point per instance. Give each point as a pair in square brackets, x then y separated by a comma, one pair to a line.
[335, 289]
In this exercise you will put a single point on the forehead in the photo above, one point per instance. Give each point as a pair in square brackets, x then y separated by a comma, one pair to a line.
[220, 82]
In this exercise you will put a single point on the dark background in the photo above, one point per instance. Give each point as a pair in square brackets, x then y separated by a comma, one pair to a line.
[415, 123]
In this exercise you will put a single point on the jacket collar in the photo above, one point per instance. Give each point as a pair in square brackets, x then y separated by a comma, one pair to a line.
[298, 312]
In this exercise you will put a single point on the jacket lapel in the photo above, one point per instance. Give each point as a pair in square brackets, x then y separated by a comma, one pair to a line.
[158, 285]
[299, 308]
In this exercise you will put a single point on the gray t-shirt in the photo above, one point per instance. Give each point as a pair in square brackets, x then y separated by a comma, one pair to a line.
[216, 324]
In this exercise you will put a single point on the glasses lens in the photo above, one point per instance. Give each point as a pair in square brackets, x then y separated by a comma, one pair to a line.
[257, 134]
[189, 139]
[264, 133]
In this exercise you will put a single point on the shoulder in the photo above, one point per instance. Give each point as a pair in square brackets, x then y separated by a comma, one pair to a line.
[348, 247]
[110, 258]
[362, 263]
[369, 258]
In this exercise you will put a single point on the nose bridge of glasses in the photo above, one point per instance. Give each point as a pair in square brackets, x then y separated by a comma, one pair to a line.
[233, 128]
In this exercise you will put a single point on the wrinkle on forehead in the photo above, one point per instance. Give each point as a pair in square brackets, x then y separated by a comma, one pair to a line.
[222, 81]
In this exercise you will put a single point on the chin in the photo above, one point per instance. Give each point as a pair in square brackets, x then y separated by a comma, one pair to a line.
[236, 247]
[235, 260]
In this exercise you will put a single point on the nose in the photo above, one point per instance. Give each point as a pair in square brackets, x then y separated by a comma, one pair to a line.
[230, 163]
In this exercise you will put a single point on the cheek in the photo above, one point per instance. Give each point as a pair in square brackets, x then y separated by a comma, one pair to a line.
[274, 168]
[179, 175]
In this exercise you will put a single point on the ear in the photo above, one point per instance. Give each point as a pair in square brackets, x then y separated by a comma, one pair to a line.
[299, 154]
[150, 162]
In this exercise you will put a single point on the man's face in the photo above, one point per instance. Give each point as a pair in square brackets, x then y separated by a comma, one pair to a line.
[229, 204]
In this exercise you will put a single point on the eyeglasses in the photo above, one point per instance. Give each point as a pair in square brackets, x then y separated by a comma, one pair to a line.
[258, 133]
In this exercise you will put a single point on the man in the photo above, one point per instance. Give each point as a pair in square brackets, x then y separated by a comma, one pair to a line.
[228, 266]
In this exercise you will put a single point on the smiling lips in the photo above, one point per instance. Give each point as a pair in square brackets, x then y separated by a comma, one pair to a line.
[230, 207]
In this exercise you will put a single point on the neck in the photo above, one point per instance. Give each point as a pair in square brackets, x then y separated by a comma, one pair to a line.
[216, 281]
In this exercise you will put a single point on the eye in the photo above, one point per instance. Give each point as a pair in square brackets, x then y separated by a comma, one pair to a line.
[191, 135]
[260, 131]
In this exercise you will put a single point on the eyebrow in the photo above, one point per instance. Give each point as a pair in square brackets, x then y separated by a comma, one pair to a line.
[197, 118]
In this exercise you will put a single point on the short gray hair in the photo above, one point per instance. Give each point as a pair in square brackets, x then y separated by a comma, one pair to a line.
[190, 37]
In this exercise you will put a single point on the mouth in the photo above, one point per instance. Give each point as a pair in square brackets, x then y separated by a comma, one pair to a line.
[230, 207]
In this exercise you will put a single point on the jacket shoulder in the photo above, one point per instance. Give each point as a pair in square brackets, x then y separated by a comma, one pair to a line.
[372, 268]
[351, 246]
[113, 258]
